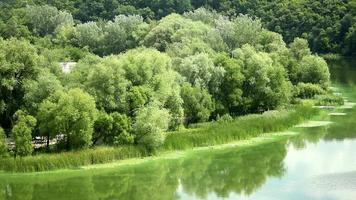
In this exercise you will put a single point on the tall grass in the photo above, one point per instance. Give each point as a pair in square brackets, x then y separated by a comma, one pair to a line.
[70, 160]
[206, 134]
[240, 128]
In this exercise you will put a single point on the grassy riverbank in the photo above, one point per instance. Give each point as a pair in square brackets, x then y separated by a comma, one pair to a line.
[208, 134]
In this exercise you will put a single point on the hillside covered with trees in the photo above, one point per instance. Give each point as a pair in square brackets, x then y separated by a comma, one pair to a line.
[142, 71]
[328, 25]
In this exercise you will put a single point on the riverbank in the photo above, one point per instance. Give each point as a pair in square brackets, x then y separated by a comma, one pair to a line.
[202, 135]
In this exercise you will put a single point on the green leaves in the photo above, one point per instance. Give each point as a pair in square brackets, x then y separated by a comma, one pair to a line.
[3, 144]
[22, 133]
[69, 113]
[150, 124]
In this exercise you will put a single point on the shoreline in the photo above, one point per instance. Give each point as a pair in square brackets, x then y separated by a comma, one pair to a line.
[134, 159]
[265, 138]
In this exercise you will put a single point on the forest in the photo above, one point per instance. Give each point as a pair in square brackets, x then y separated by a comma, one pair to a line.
[144, 69]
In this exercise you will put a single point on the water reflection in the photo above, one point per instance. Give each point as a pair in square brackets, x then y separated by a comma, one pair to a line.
[221, 172]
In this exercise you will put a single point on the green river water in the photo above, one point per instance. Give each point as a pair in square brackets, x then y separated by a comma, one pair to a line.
[318, 163]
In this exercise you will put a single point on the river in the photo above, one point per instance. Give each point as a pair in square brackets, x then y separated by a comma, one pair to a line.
[318, 163]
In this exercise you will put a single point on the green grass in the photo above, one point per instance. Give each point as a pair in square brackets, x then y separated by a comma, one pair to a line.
[241, 128]
[70, 160]
[205, 134]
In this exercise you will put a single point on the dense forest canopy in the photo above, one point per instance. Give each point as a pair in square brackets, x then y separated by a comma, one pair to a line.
[142, 71]
[328, 25]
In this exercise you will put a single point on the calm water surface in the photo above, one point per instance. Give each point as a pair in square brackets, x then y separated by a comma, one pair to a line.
[319, 163]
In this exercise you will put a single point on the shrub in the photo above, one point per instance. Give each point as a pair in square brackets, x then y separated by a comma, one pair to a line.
[329, 100]
[308, 90]
[3, 146]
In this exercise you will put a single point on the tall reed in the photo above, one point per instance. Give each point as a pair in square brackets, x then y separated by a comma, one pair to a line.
[205, 134]
[238, 129]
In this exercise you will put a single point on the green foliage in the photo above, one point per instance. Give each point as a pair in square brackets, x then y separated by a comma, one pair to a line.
[239, 31]
[308, 90]
[22, 133]
[124, 32]
[69, 113]
[39, 89]
[18, 63]
[103, 126]
[300, 48]
[314, 69]
[120, 133]
[3, 144]
[266, 86]
[44, 20]
[199, 70]
[329, 100]
[195, 67]
[70, 160]
[241, 128]
[198, 104]
[150, 124]
[230, 94]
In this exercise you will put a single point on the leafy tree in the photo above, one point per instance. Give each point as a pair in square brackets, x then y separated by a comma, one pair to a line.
[38, 90]
[150, 123]
[18, 63]
[230, 95]
[300, 48]
[239, 31]
[46, 19]
[198, 104]
[88, 35]
[350, 41]
[308, 90]
[204, 15]
[102, 126]
[314, 69]
[72, 114]
[3, 144]
[124, 32]
[120, 133]
[266, 85]
[199, 70]
[22, 133]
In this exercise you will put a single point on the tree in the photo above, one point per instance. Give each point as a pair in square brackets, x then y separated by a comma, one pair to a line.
[120, 133]
[199, 70]
[88, 35]
[123, 33]
[72, 114]
[102, 126]
[239, 31]
[198, 104]
[314, 69]
[300, 48]
[266, 85]
[37, 90]
[3, 144]
[350, 41]
[22, 133]
[230, 94]
[18, 63]
[150, 123]
[44, 20]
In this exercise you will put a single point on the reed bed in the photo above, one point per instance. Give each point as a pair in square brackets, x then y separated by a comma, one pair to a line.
[241, 128]
[206, 134]
[71, 160]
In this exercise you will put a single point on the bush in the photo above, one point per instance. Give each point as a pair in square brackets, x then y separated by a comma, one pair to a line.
[329, 100]
[308, 90]
[3, 146]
